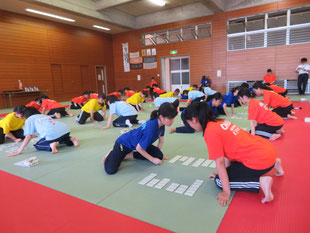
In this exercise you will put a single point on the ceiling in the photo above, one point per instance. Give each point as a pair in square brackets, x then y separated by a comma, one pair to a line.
[125, 15]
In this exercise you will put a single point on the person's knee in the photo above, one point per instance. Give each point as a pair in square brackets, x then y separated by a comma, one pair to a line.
[156, 152]
[109, 170]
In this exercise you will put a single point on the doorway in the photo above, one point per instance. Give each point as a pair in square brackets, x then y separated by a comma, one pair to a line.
[175, 73]
[101, 79]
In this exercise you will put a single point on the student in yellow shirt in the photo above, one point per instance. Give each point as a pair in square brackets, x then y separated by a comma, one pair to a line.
[91, 109]
[137, 99]
[171, 93]
[11, 125]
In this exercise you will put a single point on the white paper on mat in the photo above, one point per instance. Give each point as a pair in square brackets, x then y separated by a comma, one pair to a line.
[206, 163]
[187, 162]
[184, 158]
[198, 162]
[174, 159]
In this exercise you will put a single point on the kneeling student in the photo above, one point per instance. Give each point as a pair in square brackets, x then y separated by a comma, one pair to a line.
[55, 109]
[242, 159]
[264, 122]
[91, 109]
[137, 143]
[50, 132]
[127, 114]
[79, 102]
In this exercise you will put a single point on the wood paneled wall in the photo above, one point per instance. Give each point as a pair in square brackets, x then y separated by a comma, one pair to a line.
[52, 56]
[210, 54]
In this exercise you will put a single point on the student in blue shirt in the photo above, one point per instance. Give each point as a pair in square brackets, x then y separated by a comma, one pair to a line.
[216, 101]
[137, 143]
[205, 82]
[228, 101]
[49, 131]
[127, 114]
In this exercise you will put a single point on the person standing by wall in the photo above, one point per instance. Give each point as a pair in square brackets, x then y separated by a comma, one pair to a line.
[303, 71]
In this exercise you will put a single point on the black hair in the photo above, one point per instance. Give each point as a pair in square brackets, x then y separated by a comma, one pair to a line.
[203, 77]
[148, 87]
[38, 100]
[102, 96]
[166, 110]
[235, 89]
[176, 103]
[20, 109]
[145, 93]
[185, 92]
[43, 97]
[90, 92]
[126, 89]
[120, 91]
[154, 85]
[177, 90]
[269, 70]
[245, 92]
[112, 99]
[155, 94]
[304, 59]
[217, 96]
[201, 111]
[195, 85]
[85, 93]
[259, 84]
[153, 78]
[245, 85]
[30, 111]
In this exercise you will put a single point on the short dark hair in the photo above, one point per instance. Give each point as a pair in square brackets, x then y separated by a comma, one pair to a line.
[20, 109]
[304, 59]
[185, 92]
[43, 97]
[195, 85]
[144, 93]
[245, 92]
[269, 70]
[38, 100]
[126, 89]
[102, 96]
[217, 96]
[148, 87]
[112, 99]
[177, 90]
[155, 94]
[245, 85]
[120, 91]
[85, 93]
[30, 111]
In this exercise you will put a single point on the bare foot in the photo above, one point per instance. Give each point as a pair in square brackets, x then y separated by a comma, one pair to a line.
[106, 156]
[212, 175]
[129, 156]
[280, 131]
[278, 167]
[54, 147]
[172, 130]
[70, 114]
[57, 115]
[75, 141]
[165, 158]
[274, 137]
[266, 184]
[291, 117]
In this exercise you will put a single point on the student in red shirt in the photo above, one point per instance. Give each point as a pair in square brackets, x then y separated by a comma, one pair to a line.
[36, 104]
[118, 93]
[264, 122]
[153, 82]
[280, 90]
[56, 109]
[242, 159]
[157, 91]
[78, 102]
[269, 78]
[93, 95]
[128, 92]
[281, 105]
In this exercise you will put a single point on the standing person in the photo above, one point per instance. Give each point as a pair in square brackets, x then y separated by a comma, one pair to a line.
[241, 159]
[79, 102]
[141, 139]
[51, 133]
[11, 125]
[127, 114]
[91, 109]
[281, 105]
[264, 122]
[303, 75]
[137, 99]
[54, 108]
[205, 82]
[269, 78]
[174, 93]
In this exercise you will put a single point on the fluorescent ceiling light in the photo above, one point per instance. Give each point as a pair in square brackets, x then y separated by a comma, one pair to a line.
[104, 28]
[50, 15]
[158, 2]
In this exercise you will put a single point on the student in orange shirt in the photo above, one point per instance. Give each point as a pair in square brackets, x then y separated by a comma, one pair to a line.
[78, 102]
[93, 95]
[128, 92]
[153, 84]
[36, 104]
[157, 91]
[242, 159]
[281, 105]
[118, 93]
[56, 109]
[264, 122]
[269, 78]
[280, 90]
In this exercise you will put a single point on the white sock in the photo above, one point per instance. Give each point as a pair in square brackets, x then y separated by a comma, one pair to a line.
[140, 122]
[127, 122]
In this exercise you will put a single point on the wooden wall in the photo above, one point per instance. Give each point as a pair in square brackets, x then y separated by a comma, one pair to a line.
[210, 54]
[52, 56]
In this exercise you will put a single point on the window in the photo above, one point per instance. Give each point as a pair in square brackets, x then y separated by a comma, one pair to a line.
[236, 26]
[236, 43]
[255, 23]
[255, 40]
[278, 19]
[276, 38]
[300, 16]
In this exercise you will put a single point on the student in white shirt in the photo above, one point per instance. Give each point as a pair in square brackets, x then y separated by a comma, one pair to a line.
[303, 71]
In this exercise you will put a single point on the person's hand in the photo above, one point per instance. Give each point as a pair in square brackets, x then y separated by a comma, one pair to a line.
[94, 121]
[18, 140]
[13, 154]
[141, 110]
[229, 114]
[157, 161]
[223, 198]
[105, 127]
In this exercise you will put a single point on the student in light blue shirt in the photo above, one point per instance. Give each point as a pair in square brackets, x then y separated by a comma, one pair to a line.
[195, 96]
[160, 100]
[50, 132]
[138, 143]
[127, 114]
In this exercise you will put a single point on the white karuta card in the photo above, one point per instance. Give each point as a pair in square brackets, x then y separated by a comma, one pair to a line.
[172, 187]
[198, 162]
[206, 163]
[152, 182]
[181, 189]
[184, 158]
[162, 183]
[187, 162]
[174, 159]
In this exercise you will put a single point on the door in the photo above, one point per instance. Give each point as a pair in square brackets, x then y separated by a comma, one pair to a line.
[101, 79]
[179, 73]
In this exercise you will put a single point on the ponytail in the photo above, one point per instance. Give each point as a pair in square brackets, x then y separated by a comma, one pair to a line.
[165, 110]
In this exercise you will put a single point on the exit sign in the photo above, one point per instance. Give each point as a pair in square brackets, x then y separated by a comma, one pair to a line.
[174, 52]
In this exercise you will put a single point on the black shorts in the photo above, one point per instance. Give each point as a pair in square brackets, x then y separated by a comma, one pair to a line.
[283, 111]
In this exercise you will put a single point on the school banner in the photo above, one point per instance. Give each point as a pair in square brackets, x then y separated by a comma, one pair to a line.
[125, 57]
[150, 62]
[136, 63]
[134, 55]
